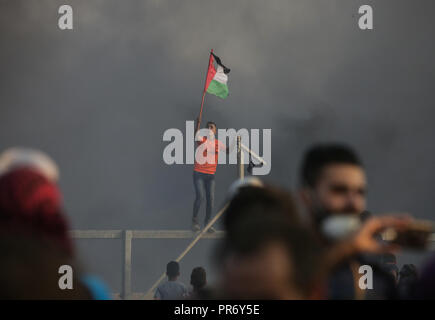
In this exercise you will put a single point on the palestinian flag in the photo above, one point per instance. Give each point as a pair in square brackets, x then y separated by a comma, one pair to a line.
[217, 79]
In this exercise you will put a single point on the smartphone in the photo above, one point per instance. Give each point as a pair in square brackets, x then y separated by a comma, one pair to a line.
[416, 236]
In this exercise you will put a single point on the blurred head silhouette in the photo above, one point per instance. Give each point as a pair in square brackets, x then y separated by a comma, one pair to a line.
[267, 254]
[31, 202]
[198, 278]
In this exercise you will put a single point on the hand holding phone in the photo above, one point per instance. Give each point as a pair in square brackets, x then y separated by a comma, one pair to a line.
[415, 236]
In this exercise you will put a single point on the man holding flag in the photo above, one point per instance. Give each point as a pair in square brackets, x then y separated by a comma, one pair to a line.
[206, 155]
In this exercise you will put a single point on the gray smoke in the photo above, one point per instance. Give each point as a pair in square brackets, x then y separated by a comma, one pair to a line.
[99, 98]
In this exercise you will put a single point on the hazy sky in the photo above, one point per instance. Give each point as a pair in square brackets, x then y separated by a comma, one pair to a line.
[98, 99]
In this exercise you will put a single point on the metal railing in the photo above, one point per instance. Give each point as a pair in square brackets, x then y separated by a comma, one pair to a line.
[128, 235]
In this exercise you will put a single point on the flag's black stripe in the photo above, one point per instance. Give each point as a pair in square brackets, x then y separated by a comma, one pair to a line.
[218, 61]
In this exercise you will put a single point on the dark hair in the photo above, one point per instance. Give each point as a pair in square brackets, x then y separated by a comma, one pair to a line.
[211, 122]
[322, 155]
[198, 278]
[172, 269]
[260, 202]
[259, 216]
[303, 250]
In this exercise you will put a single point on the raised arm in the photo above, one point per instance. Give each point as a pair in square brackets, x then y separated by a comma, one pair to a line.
[199, 139]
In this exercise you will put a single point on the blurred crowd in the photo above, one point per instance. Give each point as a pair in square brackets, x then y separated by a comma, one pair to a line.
[319, 242]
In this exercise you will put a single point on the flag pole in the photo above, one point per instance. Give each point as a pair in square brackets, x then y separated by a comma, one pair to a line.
[203, 95]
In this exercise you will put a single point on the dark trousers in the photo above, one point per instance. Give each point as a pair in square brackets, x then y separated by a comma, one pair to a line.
[204, 186]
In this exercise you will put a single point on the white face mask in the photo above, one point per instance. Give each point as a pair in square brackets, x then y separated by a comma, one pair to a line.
[339, 226]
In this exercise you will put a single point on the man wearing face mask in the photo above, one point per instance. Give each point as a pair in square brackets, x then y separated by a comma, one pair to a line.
[206, 159]
[333, 183]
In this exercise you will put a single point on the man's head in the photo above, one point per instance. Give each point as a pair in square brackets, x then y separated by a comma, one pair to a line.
[172, 270]
[212, 127]
[259, 202]
[198, 278]
[266, 254]
[271, 260]
[332, 181]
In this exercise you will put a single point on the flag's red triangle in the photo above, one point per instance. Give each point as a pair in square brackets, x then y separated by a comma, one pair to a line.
[210, 72]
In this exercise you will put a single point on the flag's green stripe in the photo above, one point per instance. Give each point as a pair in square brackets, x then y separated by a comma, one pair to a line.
[218, 89]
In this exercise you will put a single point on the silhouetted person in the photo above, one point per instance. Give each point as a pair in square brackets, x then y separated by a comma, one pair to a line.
[389, 263]
[266, 253]
[198, 280]
[171, 289]
[408, 278]
[32, 218]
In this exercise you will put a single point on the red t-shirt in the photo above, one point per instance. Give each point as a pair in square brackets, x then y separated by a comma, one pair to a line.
[210, 155]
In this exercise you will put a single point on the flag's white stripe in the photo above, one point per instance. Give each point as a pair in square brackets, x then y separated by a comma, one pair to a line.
[220, 76]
